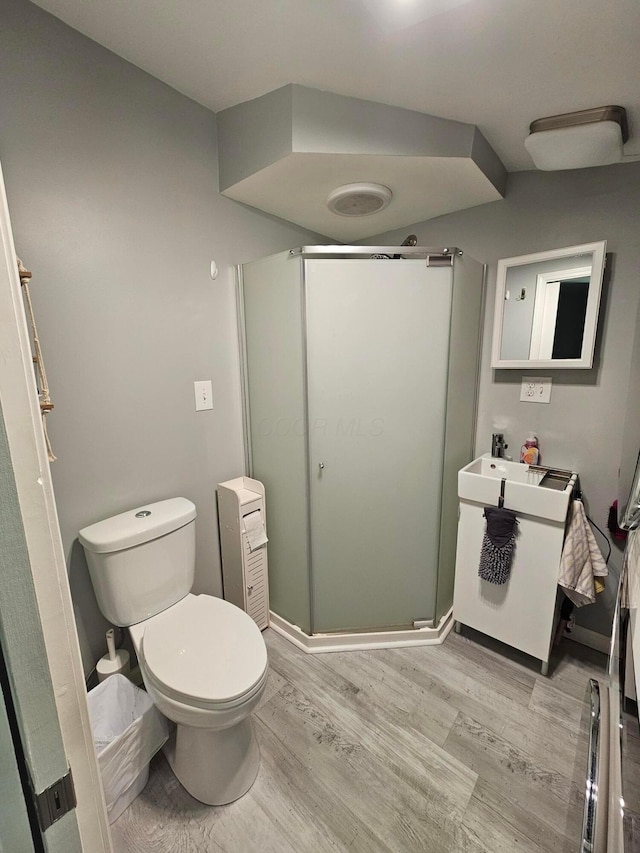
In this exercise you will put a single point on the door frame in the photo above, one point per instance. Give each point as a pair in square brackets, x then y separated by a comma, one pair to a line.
[47, 611]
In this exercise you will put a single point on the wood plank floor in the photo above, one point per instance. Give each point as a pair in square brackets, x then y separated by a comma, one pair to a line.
[459, 748]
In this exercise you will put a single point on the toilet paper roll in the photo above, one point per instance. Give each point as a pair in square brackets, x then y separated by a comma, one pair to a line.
[255, 530]
[106, 667]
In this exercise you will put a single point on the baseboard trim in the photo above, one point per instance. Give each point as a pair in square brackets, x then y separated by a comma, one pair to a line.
[587, 637]
[353, 641]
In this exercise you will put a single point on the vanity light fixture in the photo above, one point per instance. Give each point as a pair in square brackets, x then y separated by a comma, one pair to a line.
[360, 199]
[578, 140]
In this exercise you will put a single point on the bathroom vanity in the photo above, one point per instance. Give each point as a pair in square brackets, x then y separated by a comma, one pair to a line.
[520, 612]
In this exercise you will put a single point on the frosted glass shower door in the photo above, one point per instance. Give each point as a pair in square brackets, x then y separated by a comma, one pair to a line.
[377, 352]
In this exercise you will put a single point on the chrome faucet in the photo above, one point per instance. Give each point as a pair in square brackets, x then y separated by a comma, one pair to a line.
[498, 446]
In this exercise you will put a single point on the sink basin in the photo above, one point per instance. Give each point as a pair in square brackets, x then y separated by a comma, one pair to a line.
[528, 489]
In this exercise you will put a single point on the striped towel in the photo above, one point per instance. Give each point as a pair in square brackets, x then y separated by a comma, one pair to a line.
[581, 562]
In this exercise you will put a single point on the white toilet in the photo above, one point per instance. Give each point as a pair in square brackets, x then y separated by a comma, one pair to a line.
[203, 660]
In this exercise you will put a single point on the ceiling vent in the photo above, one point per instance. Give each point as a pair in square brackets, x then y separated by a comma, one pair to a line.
[359, 199]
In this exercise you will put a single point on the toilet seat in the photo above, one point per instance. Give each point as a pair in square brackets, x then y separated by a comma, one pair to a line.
[205, 652]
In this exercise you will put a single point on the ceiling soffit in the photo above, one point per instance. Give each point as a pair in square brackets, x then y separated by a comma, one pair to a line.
[285, 151]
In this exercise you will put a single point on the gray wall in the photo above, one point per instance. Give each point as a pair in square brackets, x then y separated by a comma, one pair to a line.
[631, 435]
[112, 186]
[582, 427]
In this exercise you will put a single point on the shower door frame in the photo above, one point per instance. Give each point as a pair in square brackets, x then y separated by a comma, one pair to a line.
[419, 552]
[434, 256]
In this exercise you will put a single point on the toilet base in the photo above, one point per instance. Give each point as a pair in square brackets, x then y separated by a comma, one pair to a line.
[215, 766]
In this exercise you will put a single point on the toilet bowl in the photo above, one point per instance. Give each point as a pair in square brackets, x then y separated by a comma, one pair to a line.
[204, 664]
[202, 659]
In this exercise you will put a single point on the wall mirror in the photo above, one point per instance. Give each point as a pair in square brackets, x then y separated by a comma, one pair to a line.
[547, 308]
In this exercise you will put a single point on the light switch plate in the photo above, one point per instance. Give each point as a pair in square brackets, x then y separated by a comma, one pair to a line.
[203, 394]
[536, 389]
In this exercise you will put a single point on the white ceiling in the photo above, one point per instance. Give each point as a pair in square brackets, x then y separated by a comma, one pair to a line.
[498, 64]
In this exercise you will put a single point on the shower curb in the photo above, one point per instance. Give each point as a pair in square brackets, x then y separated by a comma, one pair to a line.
[346, 641]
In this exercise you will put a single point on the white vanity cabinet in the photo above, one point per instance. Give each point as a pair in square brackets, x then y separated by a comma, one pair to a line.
[520, 612]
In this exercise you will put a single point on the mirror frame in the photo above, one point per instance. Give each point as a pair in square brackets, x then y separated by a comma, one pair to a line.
[598, 250]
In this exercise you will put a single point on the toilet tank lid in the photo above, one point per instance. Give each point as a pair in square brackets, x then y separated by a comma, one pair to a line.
[137, 525]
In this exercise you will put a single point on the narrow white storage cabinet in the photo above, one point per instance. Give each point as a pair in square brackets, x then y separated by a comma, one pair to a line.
[244, 571]
[520, 612]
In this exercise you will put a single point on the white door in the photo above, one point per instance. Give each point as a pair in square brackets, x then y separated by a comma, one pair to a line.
[37, 631]
[377, 352]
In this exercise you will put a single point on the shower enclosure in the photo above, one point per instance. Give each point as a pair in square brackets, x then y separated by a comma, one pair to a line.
[360, 394]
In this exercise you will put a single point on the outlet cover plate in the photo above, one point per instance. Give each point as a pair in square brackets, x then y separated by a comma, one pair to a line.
[535, 389]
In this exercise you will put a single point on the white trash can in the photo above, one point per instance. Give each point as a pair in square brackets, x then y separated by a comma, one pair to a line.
[128, 730]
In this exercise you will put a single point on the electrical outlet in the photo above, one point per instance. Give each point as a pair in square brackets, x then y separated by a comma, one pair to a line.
[204, 395]
[535, 389]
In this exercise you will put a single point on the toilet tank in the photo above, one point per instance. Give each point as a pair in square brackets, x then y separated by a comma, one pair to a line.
[141, 561]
